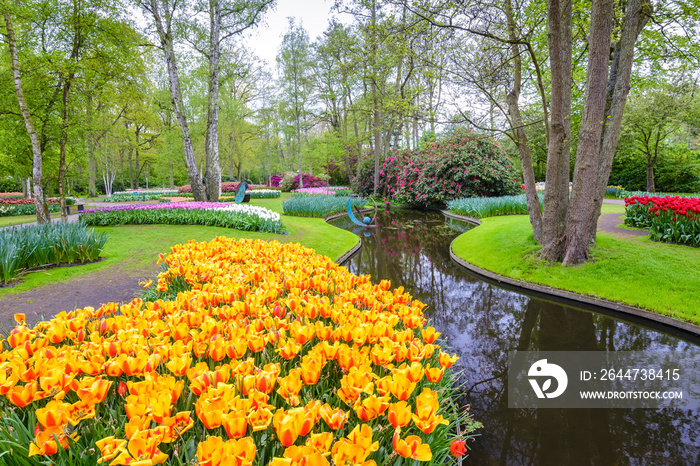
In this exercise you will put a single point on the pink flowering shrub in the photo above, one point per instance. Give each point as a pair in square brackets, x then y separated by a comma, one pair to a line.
[459, 164]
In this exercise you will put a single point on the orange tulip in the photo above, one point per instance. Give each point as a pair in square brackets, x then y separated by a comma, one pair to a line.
[260, 419]
[413, 447]
[289, 350]
[177, 425]
[335, 418]
[109, 448]
[401, 387]
[370, 408]
[81, 410]
[399, 414]
[446, 361]
[429, 335]
[434, 374]
[235, 424]
[45, 441]
[287, 427]
[22, 395]
[54, 414]
[141, 451]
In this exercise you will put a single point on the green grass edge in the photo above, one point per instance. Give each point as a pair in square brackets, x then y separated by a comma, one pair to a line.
[630, 270]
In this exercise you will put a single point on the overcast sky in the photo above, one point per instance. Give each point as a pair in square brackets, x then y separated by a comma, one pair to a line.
[314, 15]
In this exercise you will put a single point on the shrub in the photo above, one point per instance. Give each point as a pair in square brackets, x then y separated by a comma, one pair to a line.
[237, 216]
[8, 185]
[310, 205]
[31, 246]
[290, 180]
[286, 184]
[490, 206]
[460, 164]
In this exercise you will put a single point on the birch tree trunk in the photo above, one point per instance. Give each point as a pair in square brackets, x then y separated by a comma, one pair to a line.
[42, 208]
[211, 144]
[166, 41]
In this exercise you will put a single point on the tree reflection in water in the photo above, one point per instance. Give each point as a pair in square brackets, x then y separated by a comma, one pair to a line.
[483, 323]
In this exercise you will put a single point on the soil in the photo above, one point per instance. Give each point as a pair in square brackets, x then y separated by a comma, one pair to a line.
[609, 223]
[113, 284]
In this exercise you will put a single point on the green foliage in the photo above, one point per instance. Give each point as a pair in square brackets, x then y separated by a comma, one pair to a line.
[459, 164]
[678, 172]
[208, 217]
[24, 209]
[491, 206]
[8, 185]
[141, 196]
[23, 248]
[314, 205]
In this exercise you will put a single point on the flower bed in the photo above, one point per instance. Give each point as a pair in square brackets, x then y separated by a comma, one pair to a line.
[314, 205]
[14, 195]
[268, 351]
[140, 196]
[490, 206]
[252, 218]
[255, 194]
[10, 207]
[328, 190]
[670, 219]
[31, 246]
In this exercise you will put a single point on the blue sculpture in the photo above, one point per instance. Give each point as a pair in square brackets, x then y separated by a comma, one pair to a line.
[240, 194]
[366, 221]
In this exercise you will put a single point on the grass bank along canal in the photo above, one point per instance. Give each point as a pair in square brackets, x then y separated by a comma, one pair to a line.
[482, 323]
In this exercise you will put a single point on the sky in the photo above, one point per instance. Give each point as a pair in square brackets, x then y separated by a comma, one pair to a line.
[314, 15]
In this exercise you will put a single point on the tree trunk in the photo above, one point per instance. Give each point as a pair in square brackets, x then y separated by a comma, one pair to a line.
[533, 202]
[637, 14]
[92, 169]
[375, 100]
[137, 134]
[170, 172]
[650, 177]
[212, 173]
[576, 235]
[166, 40]
[62, 150]
[554, 207]
[41, 207]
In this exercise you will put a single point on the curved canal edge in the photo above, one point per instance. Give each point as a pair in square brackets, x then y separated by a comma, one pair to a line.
[547, 291]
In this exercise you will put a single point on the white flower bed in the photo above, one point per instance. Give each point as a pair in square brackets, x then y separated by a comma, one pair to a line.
[246, 209]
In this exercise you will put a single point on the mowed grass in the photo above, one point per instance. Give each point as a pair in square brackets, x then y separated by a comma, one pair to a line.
[660, 277]
[137, 247]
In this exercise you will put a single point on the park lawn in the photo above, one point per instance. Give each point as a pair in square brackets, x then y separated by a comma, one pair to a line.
[20, 219]
[137, 247]
[632, 270]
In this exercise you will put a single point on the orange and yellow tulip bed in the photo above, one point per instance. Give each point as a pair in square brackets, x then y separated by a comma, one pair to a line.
[272, 354]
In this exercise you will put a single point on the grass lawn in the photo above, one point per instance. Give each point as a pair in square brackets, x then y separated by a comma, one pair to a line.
[135, 247]
[660, 277]
[19, 219]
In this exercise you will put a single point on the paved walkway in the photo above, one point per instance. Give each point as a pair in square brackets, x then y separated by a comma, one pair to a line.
[609, 222]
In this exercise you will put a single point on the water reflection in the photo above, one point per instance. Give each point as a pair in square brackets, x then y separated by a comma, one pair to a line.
[483, 323]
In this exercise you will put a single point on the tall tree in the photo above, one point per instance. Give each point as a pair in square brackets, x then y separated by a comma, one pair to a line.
[296, 81]
[42, 209]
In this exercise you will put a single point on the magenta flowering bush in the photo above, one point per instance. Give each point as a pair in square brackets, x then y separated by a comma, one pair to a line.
[226, 187]
[459, 164]
[310, 181]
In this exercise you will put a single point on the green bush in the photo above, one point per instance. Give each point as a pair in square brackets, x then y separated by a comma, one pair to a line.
[491, 206]
[459, 164]
[8, 185]
[318, 205]
[31, 246]
[677, 172]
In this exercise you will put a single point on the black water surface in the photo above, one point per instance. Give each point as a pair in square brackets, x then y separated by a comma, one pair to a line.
[483, 322]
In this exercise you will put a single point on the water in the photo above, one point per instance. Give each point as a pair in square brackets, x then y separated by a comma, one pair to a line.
[482, 322]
